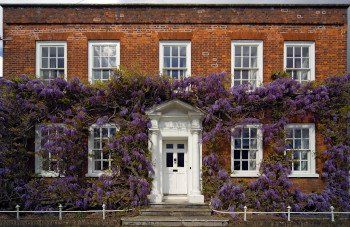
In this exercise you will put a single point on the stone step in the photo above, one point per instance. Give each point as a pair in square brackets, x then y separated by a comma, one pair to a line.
[159, 211]
[179, 205]
[175, 221]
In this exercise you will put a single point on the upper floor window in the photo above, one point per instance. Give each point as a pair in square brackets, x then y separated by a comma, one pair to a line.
[47, 163]
[246, 151]
[299, 60]
[247, 62]
[100, 161]
[51, 60]
[104, 58]
[300, 140]
[175, 59]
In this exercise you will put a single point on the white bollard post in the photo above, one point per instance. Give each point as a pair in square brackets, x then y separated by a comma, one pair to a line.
[60, 212]
[17, 211]
[288, 208]
[245, 213]
[332, 213]
[104, 211]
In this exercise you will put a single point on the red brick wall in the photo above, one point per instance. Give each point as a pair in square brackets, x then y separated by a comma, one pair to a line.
[210, 29]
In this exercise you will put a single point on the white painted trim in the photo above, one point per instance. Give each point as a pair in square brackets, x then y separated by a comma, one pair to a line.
[259, 154]
[260, 58]
[38, 55]
[312, 143]
[91, 53]
[312, 56]
[188, 54]
[91, 172]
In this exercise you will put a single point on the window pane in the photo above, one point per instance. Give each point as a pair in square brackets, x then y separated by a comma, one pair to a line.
[180, 159]
[289, 51]
[236, 154]
[181, 146]
[252, 165]
[98, 165]
[297, 51]
[60, 51]
[183, 51]
[182, 62]
[236, 165]
[303, 166]
[252, 154]
[244, 165]
[254, 51]
[45, 52]
[253, 144]
[105, 74]
[174, 62]
[112, 51]
[52, 62]
[237, 143]
[105, 51]
[305, 63]
[305, 144]
[297, 144]
[304, 155]
[253, 62]
[96, 62]
[289, 62]
[245, 50]
[245, 132]
[52, 51]
[305, 51]
[175, 51]
[297, 133]
[245, 154]
[97, 154]
[112, 62]
[44, 63]
[238, 50]
[97, 74]
[104, 62]
[112, 131]
[296, 166]
[169, 146]
[166, 62]
[246, 62]
[245, 74]
[296, 155]
[238, 61]
[60, 63]
[169, 159]
[166, 51]
[96, 51]
[104, 132]
[175, 74]
[305, 133]
[97, 144]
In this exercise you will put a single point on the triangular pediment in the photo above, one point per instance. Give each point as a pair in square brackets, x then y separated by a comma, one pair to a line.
[175, 108]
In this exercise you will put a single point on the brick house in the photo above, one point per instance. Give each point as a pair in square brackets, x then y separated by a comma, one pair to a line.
[251, 42]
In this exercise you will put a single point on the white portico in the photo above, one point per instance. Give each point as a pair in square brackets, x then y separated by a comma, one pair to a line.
[175, 142]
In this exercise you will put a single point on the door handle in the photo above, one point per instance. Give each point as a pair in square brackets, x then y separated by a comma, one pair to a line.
[174, 170]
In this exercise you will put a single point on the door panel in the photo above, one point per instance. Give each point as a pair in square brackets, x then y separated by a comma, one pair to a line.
[174, 171]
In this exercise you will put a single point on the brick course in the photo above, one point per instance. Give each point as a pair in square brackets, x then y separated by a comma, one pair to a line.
[210, 30]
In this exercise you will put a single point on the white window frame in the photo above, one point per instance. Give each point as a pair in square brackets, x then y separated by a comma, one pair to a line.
[91, 165]
[188, 55]
[259, 153]
[312, 63]
[38, 57]
[312, 146]
[91, 54]
[38, 159]
[260, 58]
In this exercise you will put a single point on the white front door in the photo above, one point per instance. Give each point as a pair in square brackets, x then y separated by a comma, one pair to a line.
[174, 171]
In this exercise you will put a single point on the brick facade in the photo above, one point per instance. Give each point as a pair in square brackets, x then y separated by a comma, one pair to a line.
[209, 28]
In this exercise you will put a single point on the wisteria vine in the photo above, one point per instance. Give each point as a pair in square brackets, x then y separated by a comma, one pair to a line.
[26, 103]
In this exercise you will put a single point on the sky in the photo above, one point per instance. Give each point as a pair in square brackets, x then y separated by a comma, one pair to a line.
[176, 1]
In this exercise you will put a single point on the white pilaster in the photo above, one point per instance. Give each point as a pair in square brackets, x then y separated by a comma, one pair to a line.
[155, 196]
[196, 195]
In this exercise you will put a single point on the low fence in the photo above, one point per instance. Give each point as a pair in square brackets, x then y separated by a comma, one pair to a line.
[60, 211]
[288, 213]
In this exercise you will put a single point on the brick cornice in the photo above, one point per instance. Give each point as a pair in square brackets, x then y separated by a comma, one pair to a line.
[103, 35]
[175, 35]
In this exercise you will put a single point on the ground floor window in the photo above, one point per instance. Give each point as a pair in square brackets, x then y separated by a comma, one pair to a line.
[246, 151]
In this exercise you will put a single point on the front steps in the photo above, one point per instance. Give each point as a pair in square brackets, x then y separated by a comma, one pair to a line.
[175, 215]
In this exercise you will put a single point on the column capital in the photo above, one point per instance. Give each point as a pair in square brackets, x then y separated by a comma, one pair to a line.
[196, 131]
[154, 131]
